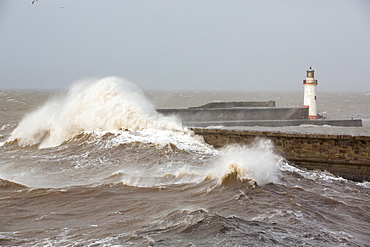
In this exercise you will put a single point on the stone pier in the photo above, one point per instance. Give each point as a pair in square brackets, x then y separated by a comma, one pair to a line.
[343, 155]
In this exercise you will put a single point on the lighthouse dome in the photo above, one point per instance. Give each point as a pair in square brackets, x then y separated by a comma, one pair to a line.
[310, 73]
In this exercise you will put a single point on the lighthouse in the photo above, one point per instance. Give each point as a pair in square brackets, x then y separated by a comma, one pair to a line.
[310, 93]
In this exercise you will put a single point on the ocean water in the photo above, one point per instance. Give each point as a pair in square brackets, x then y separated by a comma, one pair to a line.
[98, 166]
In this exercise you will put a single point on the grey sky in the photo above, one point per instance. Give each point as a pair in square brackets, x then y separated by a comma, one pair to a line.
[261, 45]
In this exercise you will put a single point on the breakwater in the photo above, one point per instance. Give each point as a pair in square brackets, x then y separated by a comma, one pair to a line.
[343, 155]
[252, 113]
[275, 123]
[200, 114]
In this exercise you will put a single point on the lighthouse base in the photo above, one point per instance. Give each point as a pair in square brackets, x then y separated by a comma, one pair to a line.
[312, 117]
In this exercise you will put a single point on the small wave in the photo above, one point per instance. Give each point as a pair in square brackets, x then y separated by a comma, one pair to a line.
[6, 126]
[276, 214]
[186, 222]
[151, 180]
[235, 175]
[310, 174]
[365, 184]
[316, 126]
[9, 185]
[14, 144]
[13, 100]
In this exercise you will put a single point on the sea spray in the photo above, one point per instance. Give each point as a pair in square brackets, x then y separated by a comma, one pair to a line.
[100, 117]
[257, 162]
[106, 104]
[74, 194]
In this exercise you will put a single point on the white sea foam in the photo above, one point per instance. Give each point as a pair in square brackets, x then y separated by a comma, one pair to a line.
[257, 162]
[310, 174]
[106, 104]
[6, 126]
[184, 140]
[116, 106]
[365, 184]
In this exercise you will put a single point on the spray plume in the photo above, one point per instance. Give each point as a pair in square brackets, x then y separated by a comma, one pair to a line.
[106, 104]
[237, 162]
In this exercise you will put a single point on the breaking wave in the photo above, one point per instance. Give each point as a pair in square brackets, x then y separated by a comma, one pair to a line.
[9, 185]
[106, 104]
[237, 162]
[106, 131]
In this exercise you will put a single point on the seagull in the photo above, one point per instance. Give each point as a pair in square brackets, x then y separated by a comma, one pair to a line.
[34, 1]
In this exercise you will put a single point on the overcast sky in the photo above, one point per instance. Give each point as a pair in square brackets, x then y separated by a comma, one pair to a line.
[261, 45]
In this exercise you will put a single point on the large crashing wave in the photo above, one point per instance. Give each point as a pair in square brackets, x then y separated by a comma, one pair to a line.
[106, 104]
[114, 105]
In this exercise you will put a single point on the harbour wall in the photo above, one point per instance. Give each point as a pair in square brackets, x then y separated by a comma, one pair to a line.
[275, 123]
[343, 155]
[237, 113]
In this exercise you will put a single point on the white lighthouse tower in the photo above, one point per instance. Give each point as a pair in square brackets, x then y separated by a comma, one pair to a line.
[310, 94]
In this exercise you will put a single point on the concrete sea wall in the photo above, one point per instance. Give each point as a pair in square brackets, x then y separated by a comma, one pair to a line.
[344, 155]
[233, 104]
[210, 115]
[275, 123]
[237, 113]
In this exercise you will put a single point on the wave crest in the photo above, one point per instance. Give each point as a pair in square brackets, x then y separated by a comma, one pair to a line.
[239, 163]
[106, 104]
[9, 185]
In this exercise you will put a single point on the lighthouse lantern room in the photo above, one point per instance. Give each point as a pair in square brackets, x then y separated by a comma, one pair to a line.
[310, 93]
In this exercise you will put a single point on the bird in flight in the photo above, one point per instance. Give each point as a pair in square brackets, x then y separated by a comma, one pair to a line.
[34, 1]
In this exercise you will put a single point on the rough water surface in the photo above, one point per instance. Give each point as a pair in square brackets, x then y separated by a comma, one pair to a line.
[98, 166]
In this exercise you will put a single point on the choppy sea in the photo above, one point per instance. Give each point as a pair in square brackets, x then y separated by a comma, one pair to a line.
[98, 166]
